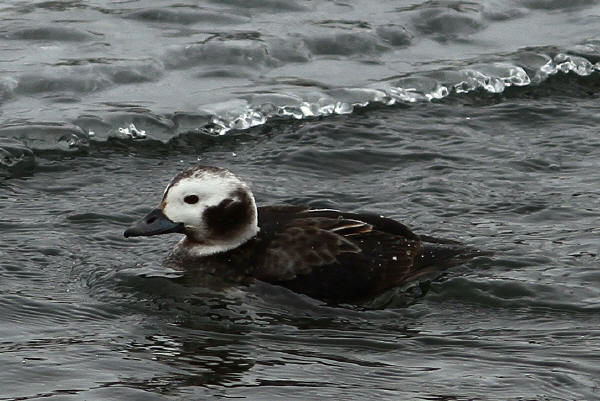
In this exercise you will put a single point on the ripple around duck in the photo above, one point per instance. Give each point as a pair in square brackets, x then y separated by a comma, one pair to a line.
[22, 310]
[515, 294]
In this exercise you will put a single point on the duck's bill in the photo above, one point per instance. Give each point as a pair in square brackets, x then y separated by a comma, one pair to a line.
[155, 223]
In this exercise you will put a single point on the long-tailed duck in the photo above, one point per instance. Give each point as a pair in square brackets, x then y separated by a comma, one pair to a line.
[326, 254]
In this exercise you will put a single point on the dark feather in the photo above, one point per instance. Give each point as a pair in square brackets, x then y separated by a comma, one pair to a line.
[333, 255]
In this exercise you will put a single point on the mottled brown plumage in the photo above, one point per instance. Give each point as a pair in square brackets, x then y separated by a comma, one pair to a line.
[335, 256]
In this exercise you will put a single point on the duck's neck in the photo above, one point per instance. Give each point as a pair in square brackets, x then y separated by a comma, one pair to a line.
[201, 249]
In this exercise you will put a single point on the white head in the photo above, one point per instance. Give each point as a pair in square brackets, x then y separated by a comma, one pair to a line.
[211, 206]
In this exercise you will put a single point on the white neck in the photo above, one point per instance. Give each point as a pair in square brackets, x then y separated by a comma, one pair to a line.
[199, 249]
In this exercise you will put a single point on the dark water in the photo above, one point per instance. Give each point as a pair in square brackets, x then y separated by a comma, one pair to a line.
[476, 121]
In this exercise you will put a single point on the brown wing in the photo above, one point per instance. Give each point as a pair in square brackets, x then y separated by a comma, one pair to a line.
[308, 243]
[337, 256]
[346, 257]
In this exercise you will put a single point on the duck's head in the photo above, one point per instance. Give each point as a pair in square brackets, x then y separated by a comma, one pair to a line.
[211, 206]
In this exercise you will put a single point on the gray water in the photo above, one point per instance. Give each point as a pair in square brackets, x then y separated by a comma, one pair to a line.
[475, 121]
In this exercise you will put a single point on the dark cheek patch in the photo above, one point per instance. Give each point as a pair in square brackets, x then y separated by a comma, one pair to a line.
[230, 216]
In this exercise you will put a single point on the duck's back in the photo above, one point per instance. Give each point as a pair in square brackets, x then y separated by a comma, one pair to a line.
[337, 256]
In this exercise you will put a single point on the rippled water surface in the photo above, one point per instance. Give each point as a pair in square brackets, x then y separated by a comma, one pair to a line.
[476, 121]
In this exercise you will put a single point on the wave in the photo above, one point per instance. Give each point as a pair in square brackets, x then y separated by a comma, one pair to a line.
[296, 100]
[522, 69]
[231, 65]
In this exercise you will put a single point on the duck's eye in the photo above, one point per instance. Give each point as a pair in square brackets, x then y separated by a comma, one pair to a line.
[191, 199]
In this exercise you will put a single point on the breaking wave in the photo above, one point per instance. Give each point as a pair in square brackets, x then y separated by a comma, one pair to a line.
[529, 67]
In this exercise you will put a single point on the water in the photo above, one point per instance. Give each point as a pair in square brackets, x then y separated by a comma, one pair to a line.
[476, 121]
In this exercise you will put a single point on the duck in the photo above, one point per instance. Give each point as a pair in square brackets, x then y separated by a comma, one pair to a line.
[326, 254]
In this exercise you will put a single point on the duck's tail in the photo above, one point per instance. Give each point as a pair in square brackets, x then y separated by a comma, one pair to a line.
[440, 254]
